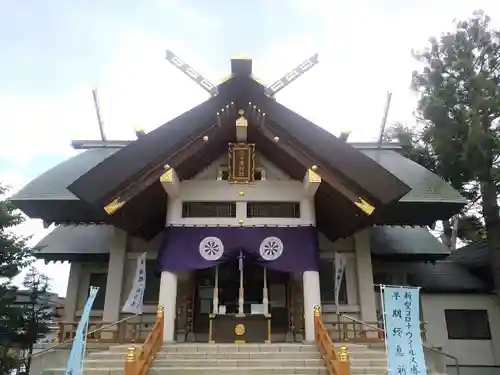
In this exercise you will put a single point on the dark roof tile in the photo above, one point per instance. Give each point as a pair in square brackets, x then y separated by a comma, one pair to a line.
[408, 242]
[76, 239]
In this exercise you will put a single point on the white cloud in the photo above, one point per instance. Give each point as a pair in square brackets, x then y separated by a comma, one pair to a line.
[364, 50]
[140, 88]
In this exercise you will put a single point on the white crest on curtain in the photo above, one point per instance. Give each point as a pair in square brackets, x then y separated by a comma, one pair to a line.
[271, 248]
[211, 248]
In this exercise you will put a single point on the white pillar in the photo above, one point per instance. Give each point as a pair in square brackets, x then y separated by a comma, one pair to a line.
[365, 276]
[72, 292]
[168, 298]
[312, 297]
[117, 256]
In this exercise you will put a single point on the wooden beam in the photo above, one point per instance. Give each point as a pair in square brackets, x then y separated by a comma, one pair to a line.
[155, 171]
[170, 182]
[334, 181]
[311, 182]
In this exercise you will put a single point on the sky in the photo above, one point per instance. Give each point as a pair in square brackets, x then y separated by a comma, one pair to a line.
[55, 52]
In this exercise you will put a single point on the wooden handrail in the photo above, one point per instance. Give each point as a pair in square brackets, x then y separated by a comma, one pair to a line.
[138, 361]
[337, 363]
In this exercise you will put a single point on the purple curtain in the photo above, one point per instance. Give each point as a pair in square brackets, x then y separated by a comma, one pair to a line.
[287, 249]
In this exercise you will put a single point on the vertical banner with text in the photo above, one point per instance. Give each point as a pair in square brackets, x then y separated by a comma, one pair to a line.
[134, 303]
[405, 353]
[76, 356]
[340, 263]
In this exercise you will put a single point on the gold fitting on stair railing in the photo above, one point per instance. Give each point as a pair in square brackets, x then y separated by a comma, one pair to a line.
[131, 354]
[160, 311]
[343, 355]
[317, 310]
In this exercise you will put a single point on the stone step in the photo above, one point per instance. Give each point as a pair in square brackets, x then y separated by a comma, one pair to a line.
[355, 370]
[370, 362]
[290, 362]
[155, 370]
[368, 355]
[226, 348]
[205, 356]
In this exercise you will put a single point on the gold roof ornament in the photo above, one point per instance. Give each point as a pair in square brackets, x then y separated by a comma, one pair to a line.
[240, 56]
[364, 206]
[168, 176]
[312, 176]
[344, 135]
[114, 206]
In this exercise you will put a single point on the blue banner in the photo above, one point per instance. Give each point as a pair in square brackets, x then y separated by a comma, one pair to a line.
[76, 356]
[405, 354]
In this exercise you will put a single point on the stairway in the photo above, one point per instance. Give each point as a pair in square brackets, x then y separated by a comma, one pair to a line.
[235, 359]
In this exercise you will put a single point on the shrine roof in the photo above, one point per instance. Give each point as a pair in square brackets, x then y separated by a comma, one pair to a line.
[474, 255]
[76, 242]
[444, 277]
[47, 196]
[397, 190]
[131, 175]
[406, 243]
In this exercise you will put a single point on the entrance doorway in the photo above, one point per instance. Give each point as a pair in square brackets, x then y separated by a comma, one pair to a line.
[228, 275]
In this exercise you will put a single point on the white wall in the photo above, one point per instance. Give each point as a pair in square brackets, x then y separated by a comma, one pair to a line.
[468, 352]
[278, 187]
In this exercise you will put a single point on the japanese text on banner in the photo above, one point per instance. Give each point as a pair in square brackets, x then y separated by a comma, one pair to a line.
[405, 354]
[134, 303]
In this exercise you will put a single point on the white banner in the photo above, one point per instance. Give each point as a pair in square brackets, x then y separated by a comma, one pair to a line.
[340, 263]
[134, 302]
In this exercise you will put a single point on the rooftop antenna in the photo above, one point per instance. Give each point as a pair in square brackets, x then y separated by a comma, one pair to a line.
[291, 76]
[384, 119]
[185, 68]
[98, 113]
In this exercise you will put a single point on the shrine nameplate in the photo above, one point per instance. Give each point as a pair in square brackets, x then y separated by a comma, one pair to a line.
[241, 163]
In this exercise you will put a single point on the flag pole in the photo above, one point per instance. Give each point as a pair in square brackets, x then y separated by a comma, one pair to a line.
[84, 349]
[382, 308]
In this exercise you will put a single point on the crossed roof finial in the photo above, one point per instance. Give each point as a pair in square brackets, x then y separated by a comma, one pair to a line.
[241, 65]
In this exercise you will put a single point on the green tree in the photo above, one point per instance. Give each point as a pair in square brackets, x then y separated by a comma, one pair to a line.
[469, 226]
[38, 311]
[459, 106]
[14, 256]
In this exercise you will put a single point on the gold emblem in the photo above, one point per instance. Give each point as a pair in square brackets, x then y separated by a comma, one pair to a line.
[364, 206]
[313, 177]
[239, 330]
[168, 176]
[317, 310]
[114, 206]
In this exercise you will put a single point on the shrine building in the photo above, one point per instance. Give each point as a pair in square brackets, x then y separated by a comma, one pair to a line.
[241, 205]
